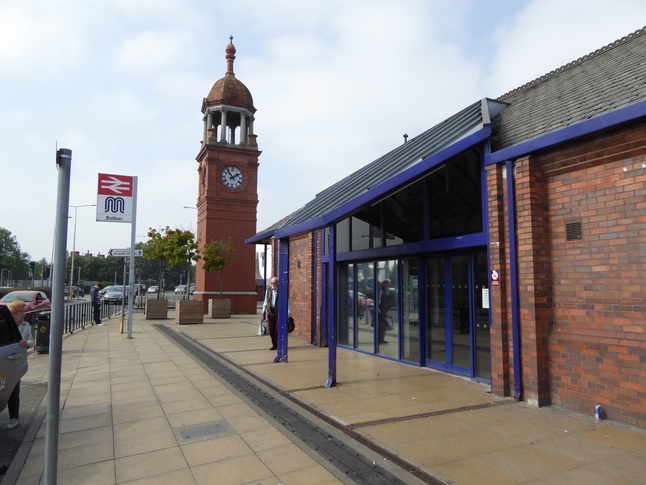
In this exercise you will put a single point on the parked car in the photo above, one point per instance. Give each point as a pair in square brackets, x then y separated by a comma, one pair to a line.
[191, 290]
[36, 301]
[153, 289]
[75, 291]
[180, 290]
[115, 296]
[13, 357]
[104, 290]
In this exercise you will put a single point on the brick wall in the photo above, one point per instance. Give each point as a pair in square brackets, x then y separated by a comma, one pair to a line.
[597, 348]
[302, 284]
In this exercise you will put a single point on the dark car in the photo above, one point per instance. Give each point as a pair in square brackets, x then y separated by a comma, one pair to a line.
[13, 356]
[36, 301]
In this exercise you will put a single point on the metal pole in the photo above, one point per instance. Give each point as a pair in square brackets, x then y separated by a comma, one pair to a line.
[133, 231]
[73, 251]
[64, 162]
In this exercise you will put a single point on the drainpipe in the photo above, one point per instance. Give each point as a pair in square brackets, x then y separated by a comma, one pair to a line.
[513, 278]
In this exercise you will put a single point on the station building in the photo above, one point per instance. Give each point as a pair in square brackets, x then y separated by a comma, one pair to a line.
[506, 244]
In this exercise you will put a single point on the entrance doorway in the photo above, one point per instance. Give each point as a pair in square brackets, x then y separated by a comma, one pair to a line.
[457, 308]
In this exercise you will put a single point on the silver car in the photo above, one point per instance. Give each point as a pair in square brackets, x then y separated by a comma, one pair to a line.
[115, 296]
[13, 357]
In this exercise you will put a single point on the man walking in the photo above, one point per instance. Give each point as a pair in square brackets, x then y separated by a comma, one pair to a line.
[96, 303]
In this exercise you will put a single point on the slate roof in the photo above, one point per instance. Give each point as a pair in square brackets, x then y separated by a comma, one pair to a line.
[460, 125]
[607, 79]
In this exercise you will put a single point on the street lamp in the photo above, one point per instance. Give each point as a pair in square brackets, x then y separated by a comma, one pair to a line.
[74, 243]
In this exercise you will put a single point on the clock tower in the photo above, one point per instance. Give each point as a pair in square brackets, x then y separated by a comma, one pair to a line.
[227, 193]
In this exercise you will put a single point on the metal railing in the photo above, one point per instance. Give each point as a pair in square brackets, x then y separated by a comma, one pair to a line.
[78, 315]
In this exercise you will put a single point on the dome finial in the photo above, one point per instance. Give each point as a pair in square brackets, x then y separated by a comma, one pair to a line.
[231, 55]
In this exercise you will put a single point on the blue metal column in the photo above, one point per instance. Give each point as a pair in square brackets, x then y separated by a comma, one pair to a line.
[283, 299]
[331, 313]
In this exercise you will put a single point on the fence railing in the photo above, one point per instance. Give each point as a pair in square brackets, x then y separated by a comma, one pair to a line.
[78, 315]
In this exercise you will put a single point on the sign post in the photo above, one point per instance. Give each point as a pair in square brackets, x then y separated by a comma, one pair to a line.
[117, 202]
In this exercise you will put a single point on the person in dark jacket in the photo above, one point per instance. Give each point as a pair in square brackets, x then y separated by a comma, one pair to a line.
[96, 303]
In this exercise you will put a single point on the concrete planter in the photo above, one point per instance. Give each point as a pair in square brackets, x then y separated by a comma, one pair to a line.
[189, 311]
[219, 308]
[156, 309]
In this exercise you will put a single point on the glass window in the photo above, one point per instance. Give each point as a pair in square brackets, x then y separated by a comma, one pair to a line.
[343, 236]
[366, 232]
[410, 313]
[346, 305]
[387, 303]
[365, 307]
[455, 197]
[404, 215]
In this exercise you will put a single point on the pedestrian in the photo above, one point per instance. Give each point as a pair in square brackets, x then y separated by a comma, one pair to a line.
[17, 309]
[96, 303]
[270, 311]
[385, 304]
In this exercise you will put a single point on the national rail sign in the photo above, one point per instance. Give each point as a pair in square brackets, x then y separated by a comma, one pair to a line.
[124, 253]
[115, 198]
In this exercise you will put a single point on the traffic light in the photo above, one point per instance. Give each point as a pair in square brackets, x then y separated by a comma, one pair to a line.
[32, 268]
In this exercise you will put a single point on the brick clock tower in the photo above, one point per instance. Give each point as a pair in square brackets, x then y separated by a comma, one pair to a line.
[227, 194]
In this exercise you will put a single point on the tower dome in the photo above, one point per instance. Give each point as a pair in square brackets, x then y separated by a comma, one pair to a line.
[228, 109]
[229, 90]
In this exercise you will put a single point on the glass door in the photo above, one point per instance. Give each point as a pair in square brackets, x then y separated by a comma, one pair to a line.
[457, 308]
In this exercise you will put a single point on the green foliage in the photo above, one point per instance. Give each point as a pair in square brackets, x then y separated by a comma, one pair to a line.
[11, 257]
[216, 255]
[174, 246]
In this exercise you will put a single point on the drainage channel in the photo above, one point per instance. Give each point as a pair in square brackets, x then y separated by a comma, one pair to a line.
[273, 402]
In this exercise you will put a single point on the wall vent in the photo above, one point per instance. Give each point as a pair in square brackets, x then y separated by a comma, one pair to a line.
[573, 231]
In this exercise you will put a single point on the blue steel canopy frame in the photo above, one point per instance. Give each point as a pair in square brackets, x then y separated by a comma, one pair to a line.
[283, 299]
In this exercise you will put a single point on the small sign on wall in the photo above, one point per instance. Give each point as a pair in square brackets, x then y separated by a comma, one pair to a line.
[495, 277]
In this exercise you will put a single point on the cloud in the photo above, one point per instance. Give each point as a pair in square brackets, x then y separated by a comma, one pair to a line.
[336, 85]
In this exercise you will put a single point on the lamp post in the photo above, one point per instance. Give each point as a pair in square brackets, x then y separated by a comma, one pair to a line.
[74, 244]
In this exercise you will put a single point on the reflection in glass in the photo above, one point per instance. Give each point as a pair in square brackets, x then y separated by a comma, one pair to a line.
[404, 215]
[346, 306]
[366, 233]
[481, 306]
[387, 309]
[461, 318]
[365, 307]
[436, 324]
[410, 315]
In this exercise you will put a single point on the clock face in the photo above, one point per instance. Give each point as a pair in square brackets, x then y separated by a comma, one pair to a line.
[232, 177]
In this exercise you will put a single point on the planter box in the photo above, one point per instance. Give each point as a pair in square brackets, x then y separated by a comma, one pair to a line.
[220, 308]
[156, 309]
[189, 311]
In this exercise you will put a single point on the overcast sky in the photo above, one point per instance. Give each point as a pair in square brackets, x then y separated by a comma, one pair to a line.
[336, 83]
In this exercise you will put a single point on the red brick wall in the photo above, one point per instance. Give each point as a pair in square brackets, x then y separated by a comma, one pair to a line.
[534, 278]
[500, 331]
[302, 284]
[597, 347]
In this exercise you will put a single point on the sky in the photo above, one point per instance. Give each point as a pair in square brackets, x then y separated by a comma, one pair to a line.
[336, 84]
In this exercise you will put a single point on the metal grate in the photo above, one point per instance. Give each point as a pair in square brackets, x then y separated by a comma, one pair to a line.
[573, 231]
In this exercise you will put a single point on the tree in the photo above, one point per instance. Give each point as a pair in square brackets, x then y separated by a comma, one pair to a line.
[216, 255]
[155, 248]
[175, 246]
[12, 258]
[181, 248]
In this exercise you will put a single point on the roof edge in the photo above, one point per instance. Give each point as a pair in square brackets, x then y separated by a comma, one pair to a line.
[587, 127]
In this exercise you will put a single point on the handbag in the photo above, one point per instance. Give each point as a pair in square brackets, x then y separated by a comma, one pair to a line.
[263, 329]
[290, 325]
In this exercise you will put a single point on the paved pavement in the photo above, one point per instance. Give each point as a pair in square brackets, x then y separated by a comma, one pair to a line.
[142, 411]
